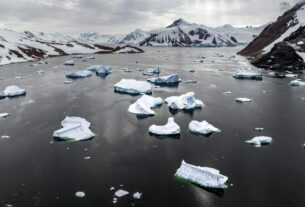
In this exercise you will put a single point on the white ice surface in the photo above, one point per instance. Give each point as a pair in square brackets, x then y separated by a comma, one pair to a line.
[202, 127]
[133, 87]
[170, 128]
[144, 104]
[185, 101]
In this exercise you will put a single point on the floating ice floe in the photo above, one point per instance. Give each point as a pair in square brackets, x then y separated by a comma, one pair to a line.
[227, 92]
[144, 104]
[203, 176]
[77, 56]
[186, 101]
[291, 75]
[68, 82]
[259, 129]
[137, 195]
[153, 70]
[101, 70]
[243, 100]
[170, 128]
[192, 71]
[4, 115]
[69, 62]
[133, 87]
[203, 127]
[12, 91]
[79, 74]
[297, 82]
[127, 70]
[166, 80]
[80, 194]
[259, 141]
[74, 128]
[5, 137]
[121, 193]
[191, 81]
[248, 74]
[90, 57]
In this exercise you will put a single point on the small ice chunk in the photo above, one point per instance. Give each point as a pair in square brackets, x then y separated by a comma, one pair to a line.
[80, 194]
[127, 70]
[18, 77]
[185, 101]
[77, 56]
[12, 91]
[170, 128]
[259, 129]
[153, 70]
[69, 62]
[261, 140]
[227, 92]
[87, 158]
[121, 193]
[79, 74]
[192, 71]
[68, 82]
[144, 104]
[95, 68]
[203, 176]
[111, 188]
[191, 81]
[133, 87]
[202, 127]
[74, 128]
[297, 82]
[5, 137]
[90, 57]
[291, 75]
[242, 100]
[166, 80]
[248, 74]
[137, 195]
[4, 115]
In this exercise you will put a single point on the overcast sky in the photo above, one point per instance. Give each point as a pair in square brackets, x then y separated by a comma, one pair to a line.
[123, 16]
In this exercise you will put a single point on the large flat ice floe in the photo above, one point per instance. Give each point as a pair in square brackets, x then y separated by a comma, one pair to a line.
[100, 69]
[203, 176]
[75, 129]
[12, 91]
[133, 87]
[166, 80]
[144, 104]
[297, 82]
[259, 141]
[203, 127]
[169, 129]
[248, 74]
[186, 101]
[79, 74]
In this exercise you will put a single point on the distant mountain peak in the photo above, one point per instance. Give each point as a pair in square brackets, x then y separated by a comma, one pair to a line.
[179, 22]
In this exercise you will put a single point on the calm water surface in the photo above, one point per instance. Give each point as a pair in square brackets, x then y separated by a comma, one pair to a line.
[38, 171]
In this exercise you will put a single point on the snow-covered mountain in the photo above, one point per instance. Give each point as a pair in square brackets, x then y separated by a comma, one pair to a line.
[281, 45]
[26, 46]
[183, 33]
[135, 37]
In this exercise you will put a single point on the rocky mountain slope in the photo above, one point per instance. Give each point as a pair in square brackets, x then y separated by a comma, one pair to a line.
[281, 45]
[16, 47]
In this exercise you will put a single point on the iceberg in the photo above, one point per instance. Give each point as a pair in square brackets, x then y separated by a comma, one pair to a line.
[242, 100]
[202, 176]
[169, 129]
[69, 62]
[79, 74]
[166, 80]
[297, 82]
[137, 195]
[74, 128]
[203, 127]
[80, 194]
[133, 87]
[186, 101]
[144, 104]
[248, 74]
[100, 70]
[12, 91]
[291, 75]
[259, 141]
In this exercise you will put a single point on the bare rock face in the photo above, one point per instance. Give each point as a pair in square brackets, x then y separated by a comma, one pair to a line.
[281, 57]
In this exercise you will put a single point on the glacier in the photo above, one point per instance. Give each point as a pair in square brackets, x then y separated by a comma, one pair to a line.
[74, 129]
[169, 129]
[203, 176]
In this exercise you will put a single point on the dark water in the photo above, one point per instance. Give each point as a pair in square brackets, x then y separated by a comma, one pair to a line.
[37, 171]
